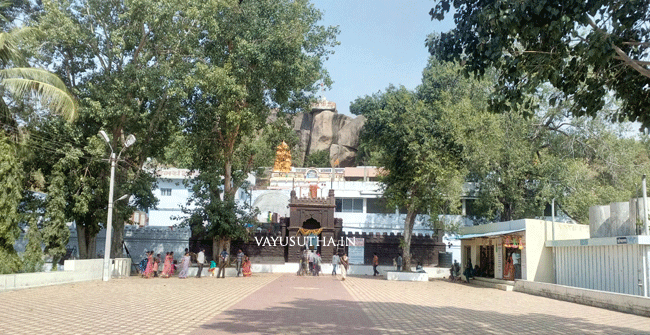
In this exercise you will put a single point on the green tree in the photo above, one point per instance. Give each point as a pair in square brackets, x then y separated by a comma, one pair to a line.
[318, 159]
[585, 49]
[33, 256]
[11, 175]
[420, 155]
[126, 60]
[55, 231]
[252, 57]
[23, 82]
[511, 168]
[212, 218]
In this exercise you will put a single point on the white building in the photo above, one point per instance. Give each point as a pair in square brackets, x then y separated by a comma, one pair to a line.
[358, 198]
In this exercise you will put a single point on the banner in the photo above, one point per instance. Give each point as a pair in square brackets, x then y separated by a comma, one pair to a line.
[356, 250]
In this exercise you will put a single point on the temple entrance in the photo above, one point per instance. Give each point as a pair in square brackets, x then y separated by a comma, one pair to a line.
[312, 217]
[312, 231]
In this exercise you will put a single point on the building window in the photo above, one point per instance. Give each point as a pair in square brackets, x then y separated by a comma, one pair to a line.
[378, 205]
[354, 205]
[165, 192]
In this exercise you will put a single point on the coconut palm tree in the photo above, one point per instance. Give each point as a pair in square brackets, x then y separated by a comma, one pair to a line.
[21, 81]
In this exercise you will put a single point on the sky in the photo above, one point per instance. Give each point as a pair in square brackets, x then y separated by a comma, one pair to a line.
[382, 43]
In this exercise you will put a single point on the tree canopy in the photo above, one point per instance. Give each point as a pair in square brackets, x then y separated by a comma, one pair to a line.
[251, 58]
[419, 140]
[585, 49]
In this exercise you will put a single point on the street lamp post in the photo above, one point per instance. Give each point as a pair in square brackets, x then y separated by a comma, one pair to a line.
[109, 221]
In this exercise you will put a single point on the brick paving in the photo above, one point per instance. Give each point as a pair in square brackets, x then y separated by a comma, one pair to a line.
[294, 305]
[123, 306]
[286, 304]
[442, 307]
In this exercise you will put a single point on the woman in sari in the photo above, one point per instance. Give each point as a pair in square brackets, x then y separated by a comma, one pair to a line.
[167, 267]
[246, 267]
[185, 265]
[148, 272]
[173, 268]
[344, 266]
[509, 270]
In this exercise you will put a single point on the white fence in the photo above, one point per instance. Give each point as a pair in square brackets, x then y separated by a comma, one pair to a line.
[75, 271]
[613, 264]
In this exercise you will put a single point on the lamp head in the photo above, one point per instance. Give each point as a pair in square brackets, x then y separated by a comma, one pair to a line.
[129, 141]
[104, 136]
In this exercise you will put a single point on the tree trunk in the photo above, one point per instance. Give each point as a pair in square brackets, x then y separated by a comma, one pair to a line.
[227, 179]
[117, 239]
[408, 232]
[218, 244]
[87, 243]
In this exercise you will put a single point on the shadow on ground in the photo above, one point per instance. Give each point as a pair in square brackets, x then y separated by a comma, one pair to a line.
[305, 316]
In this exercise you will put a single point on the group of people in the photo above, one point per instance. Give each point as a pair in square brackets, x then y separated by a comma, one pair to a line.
[149, 266]
[242, 264]
[470, 272]
[310, 264]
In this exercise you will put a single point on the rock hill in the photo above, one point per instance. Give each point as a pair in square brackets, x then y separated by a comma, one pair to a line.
[324, 129]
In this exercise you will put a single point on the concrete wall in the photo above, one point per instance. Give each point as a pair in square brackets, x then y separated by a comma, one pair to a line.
[539, 258]
[616, 301]
[141, 239]
[75, 271]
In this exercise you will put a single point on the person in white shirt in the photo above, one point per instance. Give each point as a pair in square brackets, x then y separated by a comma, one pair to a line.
[335, 264]
[200, 259]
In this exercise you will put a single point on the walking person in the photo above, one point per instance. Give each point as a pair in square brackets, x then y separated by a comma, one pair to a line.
[149, 270]
[156, 265]
[200, 259]
[246, 267]
[185, 265]
[223, 260]
[173, 267]
[167, 266]
[305, 262]
[375, 263]
[335, 263]
[344, 266]
[240, 258]
[143, 264]
[213, 268]
[317, 262]
[311, 262]
[399, 263]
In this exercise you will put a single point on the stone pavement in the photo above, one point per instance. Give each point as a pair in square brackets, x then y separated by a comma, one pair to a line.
[442, 307]
[286, 304]
[294, 305]
[123, 306]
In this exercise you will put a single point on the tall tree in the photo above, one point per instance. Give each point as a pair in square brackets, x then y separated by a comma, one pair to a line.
[254, 56]
[126, 60]
[418, 148]
[55, 230]
[585, 49]
[11, 175]
[33, 256]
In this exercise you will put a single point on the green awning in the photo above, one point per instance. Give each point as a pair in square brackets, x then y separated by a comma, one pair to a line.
[494, 233]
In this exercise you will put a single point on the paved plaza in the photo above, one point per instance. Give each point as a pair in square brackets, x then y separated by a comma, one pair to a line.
[287, 304]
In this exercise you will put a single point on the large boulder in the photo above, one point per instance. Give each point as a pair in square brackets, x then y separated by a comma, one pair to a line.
[324, 129]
